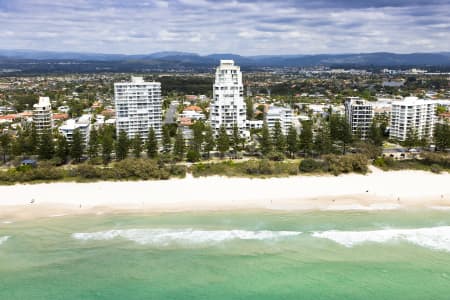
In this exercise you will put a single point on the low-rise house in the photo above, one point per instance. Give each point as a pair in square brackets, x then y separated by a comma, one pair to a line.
[60, 117]
[83, 124]
[282, 115]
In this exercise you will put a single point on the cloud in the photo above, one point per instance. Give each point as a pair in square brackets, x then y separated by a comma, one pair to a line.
[245, 27]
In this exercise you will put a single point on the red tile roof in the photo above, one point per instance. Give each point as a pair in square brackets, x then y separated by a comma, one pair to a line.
[193, 107]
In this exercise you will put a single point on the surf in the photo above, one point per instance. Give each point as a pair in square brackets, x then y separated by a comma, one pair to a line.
[436, 238]
[165, 237]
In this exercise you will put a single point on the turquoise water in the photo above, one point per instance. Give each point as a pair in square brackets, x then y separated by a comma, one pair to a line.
[308, 255]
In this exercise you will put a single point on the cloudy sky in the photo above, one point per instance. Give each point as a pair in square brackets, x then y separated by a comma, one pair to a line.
[246, 27]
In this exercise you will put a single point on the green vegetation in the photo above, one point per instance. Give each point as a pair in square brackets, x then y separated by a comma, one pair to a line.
[128, 169]
[251, 168]
[435, 162]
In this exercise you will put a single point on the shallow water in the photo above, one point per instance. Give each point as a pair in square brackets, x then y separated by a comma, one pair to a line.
[305, 255]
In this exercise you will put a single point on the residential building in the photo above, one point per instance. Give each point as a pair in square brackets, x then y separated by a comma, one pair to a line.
[254, 124]
[193, 112]
[279, 114]
[42, 115]
[412, 114]
[83, 124]
[359, 114]
[138, 107]
[228, 106]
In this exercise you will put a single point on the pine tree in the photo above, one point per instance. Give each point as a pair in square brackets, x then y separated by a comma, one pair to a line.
[249, 108]
[236, 140]
[46, 147]
[197, 136]
[278, 138]
[19, 144]
[152, 144]
[322, 142]
[107, 143]
[223, 141]
[411, 139]
[122, 146]
[179, 148]
[210, 142]
[33, 141]
[375, 134]
[93, 144]
[77, 145]
[306, 138]
[442, 136]
[62, 149]
[166, 139]
[5, 145]
[292, 141]
[136, 145]
[340, 131]
[265, 142]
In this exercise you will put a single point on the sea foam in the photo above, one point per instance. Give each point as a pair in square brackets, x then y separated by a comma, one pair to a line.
[437, 238]
[358, 207]
[3, 239]
[164, 237]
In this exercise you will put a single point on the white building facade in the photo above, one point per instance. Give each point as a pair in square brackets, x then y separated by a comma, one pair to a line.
[138, 107]
[359, 114]
[228, 106]
[412, 114]
[280, 114]
[42, 115]
[83, 124]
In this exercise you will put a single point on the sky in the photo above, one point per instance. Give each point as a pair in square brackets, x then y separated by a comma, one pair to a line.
[246, 27]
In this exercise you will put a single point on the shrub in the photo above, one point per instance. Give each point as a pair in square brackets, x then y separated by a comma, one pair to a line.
[174, 170]
[308, 165]
[379, 162]
[265, 167]
[193, 156]
[346, 163]
[276, 156]
[441, 159]
[436, 168]
[88, 172]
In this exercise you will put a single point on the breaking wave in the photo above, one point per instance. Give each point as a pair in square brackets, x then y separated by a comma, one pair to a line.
[3, 239]
[436, 238]
[164, 237]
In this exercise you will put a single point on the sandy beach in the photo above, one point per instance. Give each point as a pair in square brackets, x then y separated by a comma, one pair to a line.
[376, 191]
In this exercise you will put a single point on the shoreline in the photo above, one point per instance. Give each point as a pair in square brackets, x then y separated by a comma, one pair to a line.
[377, 190]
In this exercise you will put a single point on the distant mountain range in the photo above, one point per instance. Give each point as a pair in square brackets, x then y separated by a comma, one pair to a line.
[90, 62]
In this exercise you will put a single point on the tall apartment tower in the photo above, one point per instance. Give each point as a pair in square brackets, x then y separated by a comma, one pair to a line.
[359, 114]
[228, 105]
[412, 114]
[138, 107]
[42, 115]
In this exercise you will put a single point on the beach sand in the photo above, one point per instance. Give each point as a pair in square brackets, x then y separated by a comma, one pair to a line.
[375, 191]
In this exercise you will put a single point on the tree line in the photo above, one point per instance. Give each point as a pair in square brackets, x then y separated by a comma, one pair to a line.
[332, 136]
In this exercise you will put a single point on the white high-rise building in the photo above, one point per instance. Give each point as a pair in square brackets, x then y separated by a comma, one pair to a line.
[359, 114]
[138, 107]
[228, 106]
[283, 115]
[42, 115]
[412, 114]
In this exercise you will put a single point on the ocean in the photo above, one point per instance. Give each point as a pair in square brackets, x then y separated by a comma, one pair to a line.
[398, 254]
